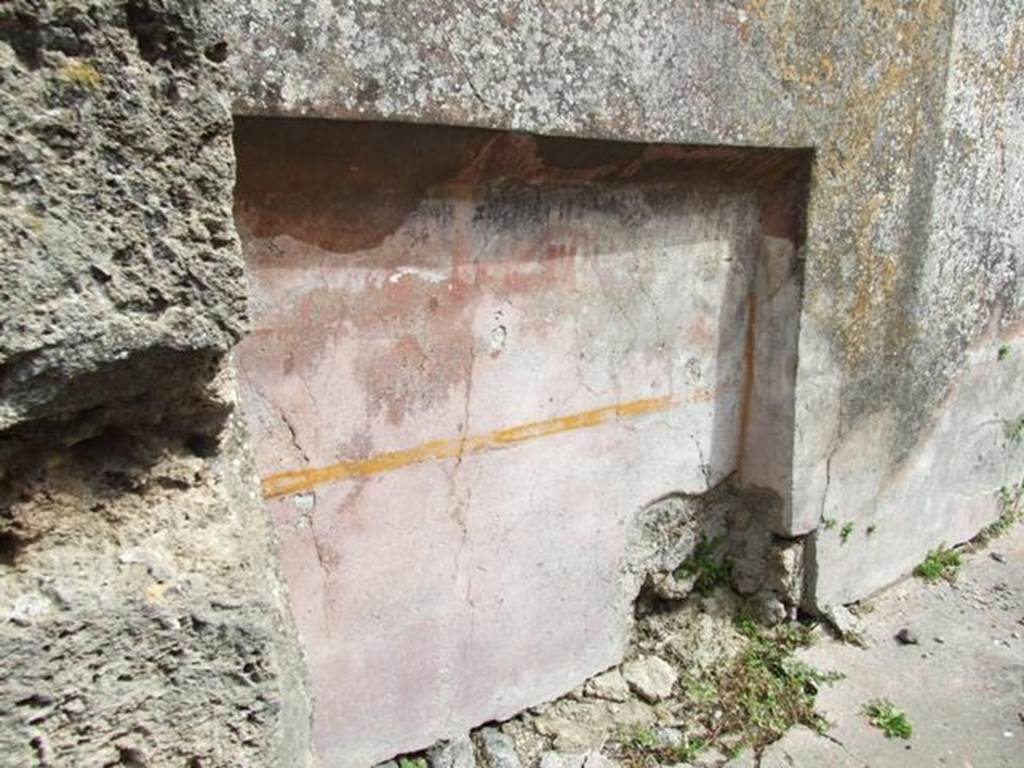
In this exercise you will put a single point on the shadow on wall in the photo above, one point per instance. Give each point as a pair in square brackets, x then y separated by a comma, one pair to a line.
[474, 354]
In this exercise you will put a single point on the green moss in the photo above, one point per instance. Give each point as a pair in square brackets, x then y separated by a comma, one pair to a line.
[1004, 352]
[638, 737]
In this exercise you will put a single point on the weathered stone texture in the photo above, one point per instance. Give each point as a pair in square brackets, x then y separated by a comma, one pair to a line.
[142, 625]
[119, 260]
[143, 621]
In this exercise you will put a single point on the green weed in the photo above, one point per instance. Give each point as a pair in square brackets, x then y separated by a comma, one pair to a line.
[767, 690]
[689, 750]
[638, 737]
[639, 747]
[1004, 352]
[883, 714]
[707, 565]
[941, 563]
[745, 704]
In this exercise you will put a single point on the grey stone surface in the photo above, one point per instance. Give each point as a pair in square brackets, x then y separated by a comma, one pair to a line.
[802, 746]
[911, 268]
[610, 686]
[144, 619]
[652, 678]
[561, 760]
[497, 749]
[669, 738]
[456, 753]
[574, 760]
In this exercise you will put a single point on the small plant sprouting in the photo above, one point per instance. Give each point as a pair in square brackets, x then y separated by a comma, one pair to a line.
[829, 523]
[689, 750]
[1015, 430]
[871, 529]
[707, 565]
[941, 563]
[1011, 501]
[884, 715]
[639, 737]
[845, 531]
[641, 745]
[1003, 353]
[412, 762]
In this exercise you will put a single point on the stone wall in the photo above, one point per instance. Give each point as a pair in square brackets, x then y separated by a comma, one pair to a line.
[912, 263]
[143, 619]
[146, 622]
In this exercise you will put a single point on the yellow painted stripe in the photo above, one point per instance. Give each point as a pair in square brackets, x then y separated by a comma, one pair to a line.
[298, 480]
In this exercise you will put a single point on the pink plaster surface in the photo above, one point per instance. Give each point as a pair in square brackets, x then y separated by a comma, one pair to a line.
[444, 593]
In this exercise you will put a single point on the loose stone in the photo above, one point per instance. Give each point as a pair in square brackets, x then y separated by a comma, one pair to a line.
[651, 678]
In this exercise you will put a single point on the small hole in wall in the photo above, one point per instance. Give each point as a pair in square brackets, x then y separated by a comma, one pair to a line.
[217, 53]
[153, 32]
[203, 446]
[131, 757]
[11, 546]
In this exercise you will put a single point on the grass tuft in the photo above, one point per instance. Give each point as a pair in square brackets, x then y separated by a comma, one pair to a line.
[941, 563]
[891, 721]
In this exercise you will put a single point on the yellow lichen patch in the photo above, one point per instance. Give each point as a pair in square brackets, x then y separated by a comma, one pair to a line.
[82, 74]
[873, 318]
